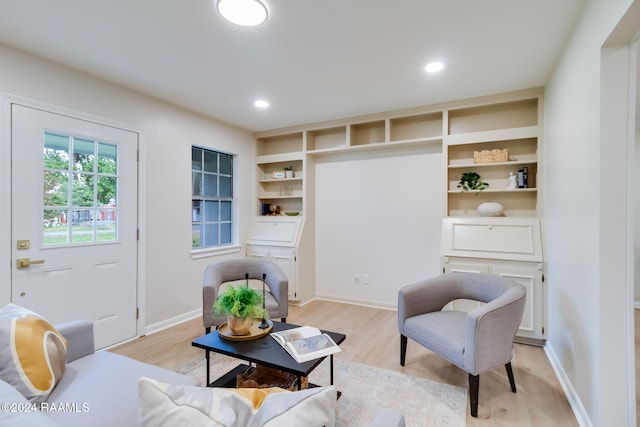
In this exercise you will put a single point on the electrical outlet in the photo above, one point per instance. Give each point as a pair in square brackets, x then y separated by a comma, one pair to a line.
[365, 279]
[356, 279]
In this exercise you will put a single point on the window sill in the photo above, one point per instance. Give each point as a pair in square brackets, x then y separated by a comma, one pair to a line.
[210, 252]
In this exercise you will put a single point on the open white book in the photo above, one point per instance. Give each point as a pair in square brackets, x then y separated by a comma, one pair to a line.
[306, 343]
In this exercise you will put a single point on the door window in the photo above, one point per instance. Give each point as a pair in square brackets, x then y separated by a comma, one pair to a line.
[80, 190]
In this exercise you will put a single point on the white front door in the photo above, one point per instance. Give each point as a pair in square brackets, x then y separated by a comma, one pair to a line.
[74, 221]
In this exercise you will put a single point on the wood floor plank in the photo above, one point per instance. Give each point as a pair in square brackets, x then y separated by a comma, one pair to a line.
[373, 339]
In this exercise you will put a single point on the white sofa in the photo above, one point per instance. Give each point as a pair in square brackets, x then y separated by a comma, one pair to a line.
[101, 389]
[97, 388]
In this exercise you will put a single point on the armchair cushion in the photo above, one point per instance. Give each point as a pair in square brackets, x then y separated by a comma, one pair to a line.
[443, 332]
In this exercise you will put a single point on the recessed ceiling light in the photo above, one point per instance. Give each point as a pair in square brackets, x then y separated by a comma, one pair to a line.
[261, 103]
[434, 67]
[247, 13]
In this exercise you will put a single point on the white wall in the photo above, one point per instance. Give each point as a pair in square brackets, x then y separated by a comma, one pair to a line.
[172, 279]
[378, 214]
[579, 230]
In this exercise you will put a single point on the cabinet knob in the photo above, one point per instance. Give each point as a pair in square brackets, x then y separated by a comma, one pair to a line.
[490, 227]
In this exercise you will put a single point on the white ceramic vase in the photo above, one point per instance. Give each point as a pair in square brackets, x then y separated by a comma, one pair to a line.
[490, 209]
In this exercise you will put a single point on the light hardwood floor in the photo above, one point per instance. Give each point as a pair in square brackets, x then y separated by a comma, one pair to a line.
[373, 339]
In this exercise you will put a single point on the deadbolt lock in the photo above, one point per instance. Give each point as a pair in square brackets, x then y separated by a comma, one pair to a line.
[23, 244]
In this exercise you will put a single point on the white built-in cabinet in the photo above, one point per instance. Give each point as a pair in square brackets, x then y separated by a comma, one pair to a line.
[507, 247]
[464, 129]
[285, 258]
[276, 238]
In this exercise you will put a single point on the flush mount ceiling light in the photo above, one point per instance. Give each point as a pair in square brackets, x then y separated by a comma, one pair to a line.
[261, 103]
[434, 67]
[247, 13]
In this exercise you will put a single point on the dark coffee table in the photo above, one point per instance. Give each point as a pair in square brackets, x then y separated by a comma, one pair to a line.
[264, 351]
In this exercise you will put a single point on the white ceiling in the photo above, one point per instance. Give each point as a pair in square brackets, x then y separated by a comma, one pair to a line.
[314, 60]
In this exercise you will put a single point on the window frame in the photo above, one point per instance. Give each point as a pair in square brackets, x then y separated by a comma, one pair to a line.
[231, 246]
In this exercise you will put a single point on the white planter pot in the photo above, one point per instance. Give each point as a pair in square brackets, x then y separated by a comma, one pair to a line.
[490, 209]
[288, 174]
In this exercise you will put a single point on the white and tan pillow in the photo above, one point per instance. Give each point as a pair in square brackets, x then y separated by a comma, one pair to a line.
[163, 404]
[32, 352]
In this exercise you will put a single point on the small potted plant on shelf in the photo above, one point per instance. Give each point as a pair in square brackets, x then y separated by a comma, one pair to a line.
[470, 181]
[241, 304]
[288, 170]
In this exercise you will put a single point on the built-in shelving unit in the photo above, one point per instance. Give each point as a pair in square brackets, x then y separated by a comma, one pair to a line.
[274, 154]
[459, 129]
[510, 125]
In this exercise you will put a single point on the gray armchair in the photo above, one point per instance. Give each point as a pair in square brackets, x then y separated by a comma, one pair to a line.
[477, 341]
[276, 297]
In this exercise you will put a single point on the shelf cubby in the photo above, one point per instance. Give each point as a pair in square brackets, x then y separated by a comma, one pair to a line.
[286, 204]
[420, 126]
[516, 203]
[265, 170]
[520, 113]
[497, 177]
[520, 150]
[280, 144]
[327, 139]
[368, 133]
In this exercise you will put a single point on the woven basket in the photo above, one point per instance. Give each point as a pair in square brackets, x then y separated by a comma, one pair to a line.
[491, 156]
[266, 377]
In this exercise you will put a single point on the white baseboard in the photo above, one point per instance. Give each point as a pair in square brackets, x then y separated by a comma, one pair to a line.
[359, 301]
[157, 327]
[574, 400]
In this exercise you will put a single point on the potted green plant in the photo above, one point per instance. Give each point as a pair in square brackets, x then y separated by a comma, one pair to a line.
[288, 170]
[241, 304]
[470, 181]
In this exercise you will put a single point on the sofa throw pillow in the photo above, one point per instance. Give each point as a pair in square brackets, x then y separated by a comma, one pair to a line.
[165, 404]
[32, 352]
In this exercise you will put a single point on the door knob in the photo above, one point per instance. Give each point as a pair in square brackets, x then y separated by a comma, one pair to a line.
[26, 262]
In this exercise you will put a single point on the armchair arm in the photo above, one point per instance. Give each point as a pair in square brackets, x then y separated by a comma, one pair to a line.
[79, 336]
[210, 285]
[494, 325]
[279, 286]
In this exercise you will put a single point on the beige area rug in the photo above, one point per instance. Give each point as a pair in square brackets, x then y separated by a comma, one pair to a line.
[367, 389]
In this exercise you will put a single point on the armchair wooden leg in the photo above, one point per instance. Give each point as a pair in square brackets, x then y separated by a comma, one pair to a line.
[512, 381]
[474, 386]
[403, 349]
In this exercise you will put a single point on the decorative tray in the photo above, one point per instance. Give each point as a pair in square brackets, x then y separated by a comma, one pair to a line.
[254, 333]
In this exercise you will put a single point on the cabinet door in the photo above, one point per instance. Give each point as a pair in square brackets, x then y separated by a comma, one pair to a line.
[257, 252]
[532, 319]
[286, 260]
[463, 267]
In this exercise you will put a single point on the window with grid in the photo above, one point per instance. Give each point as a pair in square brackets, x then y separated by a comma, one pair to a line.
[212, 198]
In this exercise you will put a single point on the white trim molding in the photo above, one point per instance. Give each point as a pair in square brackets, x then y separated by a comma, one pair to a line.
[572, 396]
